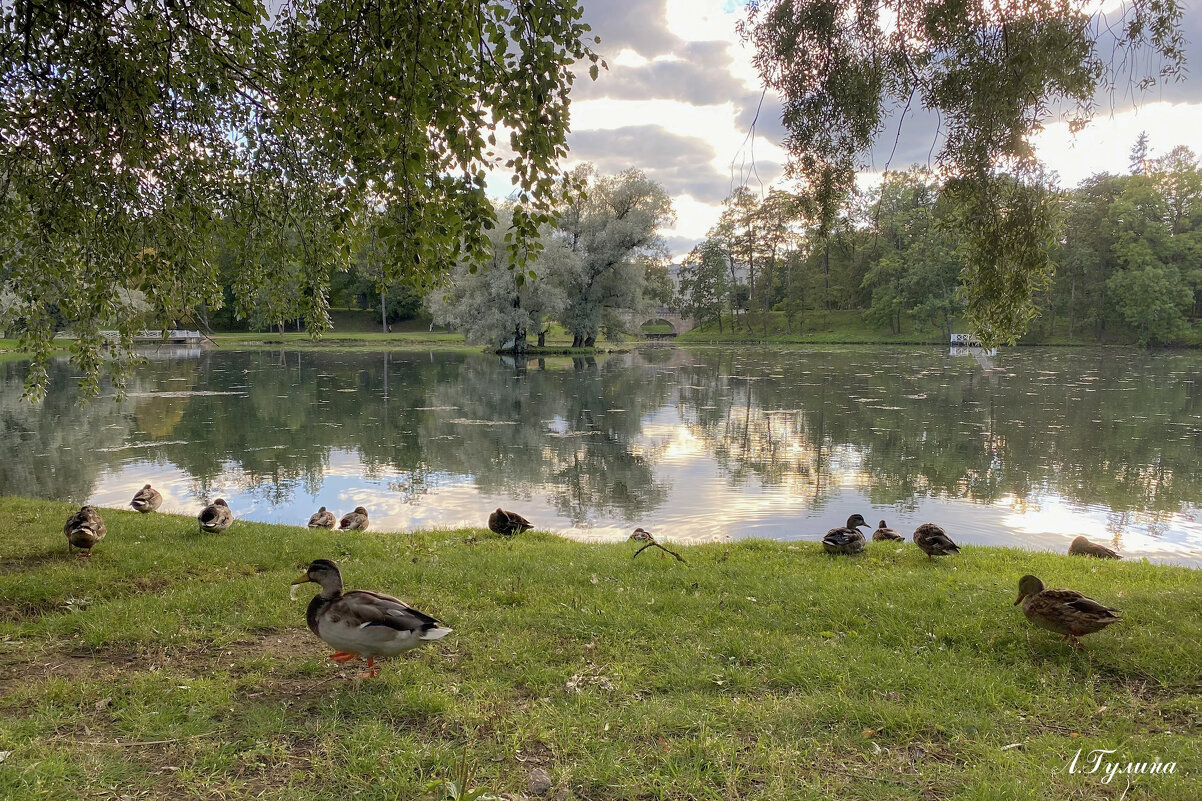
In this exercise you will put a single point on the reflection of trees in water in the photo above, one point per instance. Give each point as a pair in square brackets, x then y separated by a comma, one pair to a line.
[568, 429]
[1086, 425]
[56, 448]
[295, 413]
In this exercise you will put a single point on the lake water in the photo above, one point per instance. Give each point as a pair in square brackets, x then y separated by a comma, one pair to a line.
[692, 445]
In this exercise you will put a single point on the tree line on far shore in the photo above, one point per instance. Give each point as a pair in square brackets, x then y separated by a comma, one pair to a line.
[1127, 258]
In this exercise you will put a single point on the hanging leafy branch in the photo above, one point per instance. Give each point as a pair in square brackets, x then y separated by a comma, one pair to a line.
[995, 71]
[134, 133]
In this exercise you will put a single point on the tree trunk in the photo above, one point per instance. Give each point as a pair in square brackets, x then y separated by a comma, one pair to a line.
[590, 341]
[789, 296]
[1072, 293]
[826, 276]
[383, 316]
[751, 303]
[577, 341]
[542, 338]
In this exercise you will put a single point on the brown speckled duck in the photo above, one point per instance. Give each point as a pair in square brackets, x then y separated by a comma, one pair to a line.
[885, 534]
[361, 622]
[846, 540]
[1083, 547]
[354, 521]
[933, 541]
[1066, 612]
[84, 529]
[216, 517]
[323, 519]
[508, 523]
[147, 499]
[641, 535]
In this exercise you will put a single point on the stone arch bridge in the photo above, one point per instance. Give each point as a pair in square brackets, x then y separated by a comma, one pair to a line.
[663, 313]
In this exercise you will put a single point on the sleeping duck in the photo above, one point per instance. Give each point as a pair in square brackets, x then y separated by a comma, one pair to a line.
[216, 517]
[933, 541]
[1066, 612]
[640, 535]
[507, 523]
[322, 519]
[847, 540]
[1083, 547]
[884, 533]
[361, 622]
[147, 499]
[354, 521]
[84, 529]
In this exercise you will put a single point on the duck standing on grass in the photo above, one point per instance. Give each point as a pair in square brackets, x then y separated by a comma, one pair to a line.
[507, 523]
[934, 541]
[1066, 612]
[361, 622]
[885, 534]
[147, 499]
[322, 519]
[216, 517]
[354, 521]
[84, 529]
[846, 540]
[1083, 547]
[641, 535]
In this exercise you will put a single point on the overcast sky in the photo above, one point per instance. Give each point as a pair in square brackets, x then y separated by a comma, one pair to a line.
[681, 93]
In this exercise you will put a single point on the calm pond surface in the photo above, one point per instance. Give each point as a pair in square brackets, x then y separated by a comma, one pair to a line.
[692, 445]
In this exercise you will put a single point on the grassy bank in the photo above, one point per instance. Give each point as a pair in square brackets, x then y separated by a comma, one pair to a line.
[170, 665]
[836, 327]
[851, 328]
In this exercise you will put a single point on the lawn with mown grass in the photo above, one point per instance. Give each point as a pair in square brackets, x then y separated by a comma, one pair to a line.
[173, 665]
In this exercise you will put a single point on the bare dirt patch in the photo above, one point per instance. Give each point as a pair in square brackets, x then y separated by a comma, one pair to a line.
[20, 666]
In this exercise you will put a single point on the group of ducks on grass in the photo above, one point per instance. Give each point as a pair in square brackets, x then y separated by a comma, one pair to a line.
[373, 625]
[1066, 612]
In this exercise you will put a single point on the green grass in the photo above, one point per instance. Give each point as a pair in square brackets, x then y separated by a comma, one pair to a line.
[172, 665]
[336, 339]
[838, 327]
[850, 327]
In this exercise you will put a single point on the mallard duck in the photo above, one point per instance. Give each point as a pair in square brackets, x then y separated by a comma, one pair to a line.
[639, 535]
[84, 529]
[1083, 547]
[847, 540]
[361, 622]
[216, 517]
[934, 541]
[147, 499]
[1066, 612]
[354, 521]
[322, 519]
[508, 523]
[884, 533]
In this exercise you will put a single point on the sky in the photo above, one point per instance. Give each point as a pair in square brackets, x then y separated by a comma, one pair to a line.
[681, 95]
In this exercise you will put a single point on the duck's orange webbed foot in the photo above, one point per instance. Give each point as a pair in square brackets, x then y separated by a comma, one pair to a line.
[371, 669]
[342, 656]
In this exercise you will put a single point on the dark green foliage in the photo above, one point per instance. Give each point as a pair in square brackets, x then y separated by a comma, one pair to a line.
[135, 137]
[994, 72]
[1127, 252]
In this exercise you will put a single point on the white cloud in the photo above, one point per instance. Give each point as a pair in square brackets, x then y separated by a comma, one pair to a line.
[700, 37]
[1105, 144]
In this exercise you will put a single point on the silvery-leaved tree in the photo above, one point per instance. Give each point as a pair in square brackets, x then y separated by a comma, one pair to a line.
[494, 304]
[136, 134]
[995, 71]
[613, 227]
